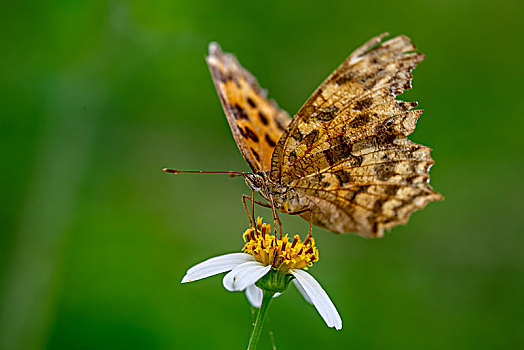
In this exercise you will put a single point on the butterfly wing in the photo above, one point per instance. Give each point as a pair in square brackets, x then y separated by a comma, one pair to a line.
[346, 153]
[256, 122]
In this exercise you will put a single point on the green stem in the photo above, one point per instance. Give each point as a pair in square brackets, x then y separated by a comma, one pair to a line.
[257, 329]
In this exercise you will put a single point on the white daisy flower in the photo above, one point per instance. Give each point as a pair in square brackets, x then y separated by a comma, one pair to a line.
[270, 263]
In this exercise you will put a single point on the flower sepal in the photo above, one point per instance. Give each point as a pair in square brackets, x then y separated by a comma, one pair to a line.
[274, 281]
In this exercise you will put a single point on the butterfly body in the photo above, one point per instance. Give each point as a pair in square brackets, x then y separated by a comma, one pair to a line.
[344, 160]
[284, 198]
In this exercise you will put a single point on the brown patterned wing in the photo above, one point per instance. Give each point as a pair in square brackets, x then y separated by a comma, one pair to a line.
[346, 152]
[256, 122]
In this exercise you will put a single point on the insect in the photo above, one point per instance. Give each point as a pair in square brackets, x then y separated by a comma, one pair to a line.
[344, 161]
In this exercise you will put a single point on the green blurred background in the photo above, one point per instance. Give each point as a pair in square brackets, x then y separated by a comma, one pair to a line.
[97, 97]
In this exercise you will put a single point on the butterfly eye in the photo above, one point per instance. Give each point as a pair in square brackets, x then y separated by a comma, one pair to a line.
[255, 181]
[258, 181]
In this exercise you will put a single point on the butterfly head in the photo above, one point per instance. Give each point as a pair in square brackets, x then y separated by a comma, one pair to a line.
[256, 181]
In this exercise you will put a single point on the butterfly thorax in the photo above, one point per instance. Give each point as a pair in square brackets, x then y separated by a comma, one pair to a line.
[284, 198]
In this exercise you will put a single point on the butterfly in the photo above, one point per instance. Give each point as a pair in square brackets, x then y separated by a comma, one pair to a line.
[343, 161]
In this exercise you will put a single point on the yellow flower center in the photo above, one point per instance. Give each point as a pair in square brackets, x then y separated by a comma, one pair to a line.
[280, 253]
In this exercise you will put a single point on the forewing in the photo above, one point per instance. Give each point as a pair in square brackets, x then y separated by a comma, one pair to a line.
[256, 122]
[346, 150]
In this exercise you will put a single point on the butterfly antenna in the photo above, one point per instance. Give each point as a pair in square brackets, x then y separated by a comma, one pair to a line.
[230, 173]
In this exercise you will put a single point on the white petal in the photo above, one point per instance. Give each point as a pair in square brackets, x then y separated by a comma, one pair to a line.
[319, 298]
[243, 275]
[215, 266]
[302, 291]
[254, 295]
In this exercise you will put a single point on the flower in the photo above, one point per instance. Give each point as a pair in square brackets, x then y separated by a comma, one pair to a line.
[270, 263]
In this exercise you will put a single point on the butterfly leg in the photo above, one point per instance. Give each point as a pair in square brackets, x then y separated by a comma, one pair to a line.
[253, 205]
[276, 219]
[251, 215]
[310, 228]
[262, 204]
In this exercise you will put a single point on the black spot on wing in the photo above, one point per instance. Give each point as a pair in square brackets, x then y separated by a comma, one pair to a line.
[279, 125]
[336, 154]
[239, 112]
[297, 135]
[263, 118]
[255, 154]
[251, 102]
[360, 121]
[363, 104]
[310, 138]
[344, 78]
[326, 114]
[270, 142]
[292, 156]
[384, 171]
[391, 190]
[343, 177]
[251, 134]
[377, 207]
[242, 132]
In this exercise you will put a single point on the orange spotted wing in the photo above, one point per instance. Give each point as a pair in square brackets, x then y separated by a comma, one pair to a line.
[256, 122]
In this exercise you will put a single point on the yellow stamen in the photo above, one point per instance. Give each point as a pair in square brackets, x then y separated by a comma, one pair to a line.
[270, 250]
